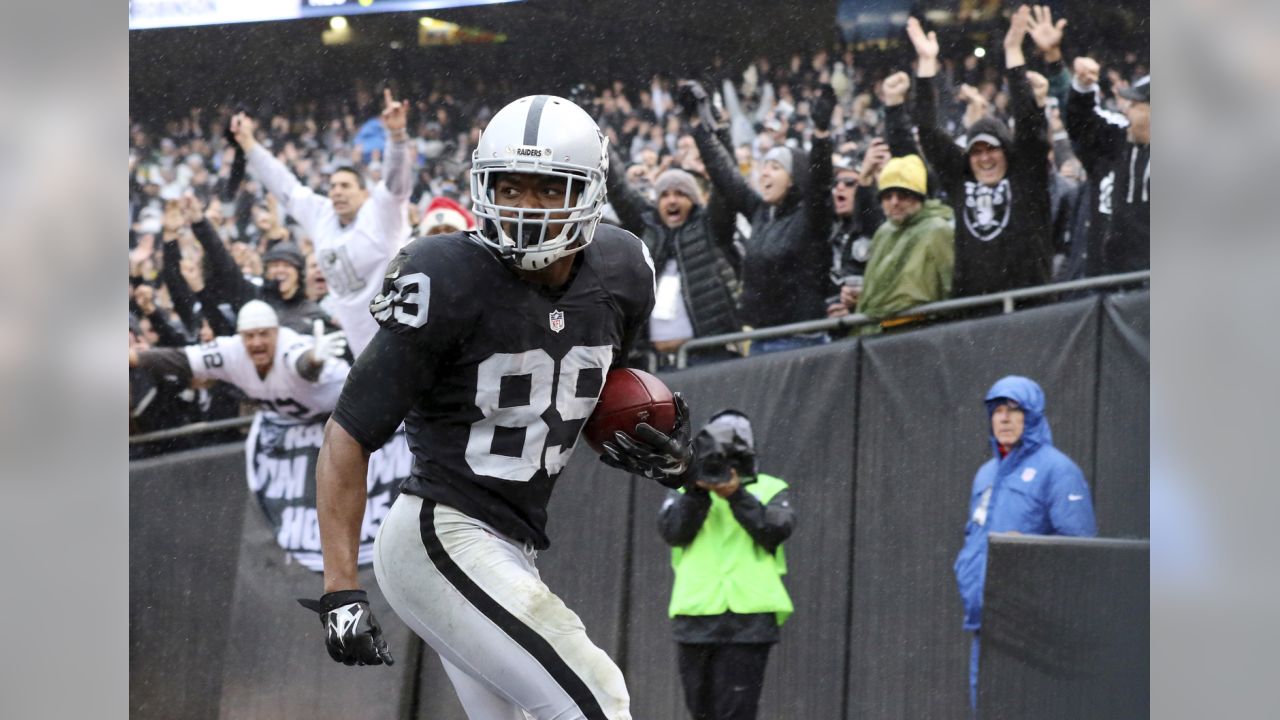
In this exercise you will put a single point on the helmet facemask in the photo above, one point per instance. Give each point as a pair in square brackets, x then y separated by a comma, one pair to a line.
[533, 238]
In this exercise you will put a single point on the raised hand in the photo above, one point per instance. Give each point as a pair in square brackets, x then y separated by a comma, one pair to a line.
[1086, 71]
[895, 88]
[172, 220]
[873, 161]
[926, 48]
[1046, 34]
[823, 107]
[395, 114]
[141, 252]
[193, 273]
[192, 211]
[242, 128]
[976, 104]
[1039, 87]
[1018, 25]
[326, 345]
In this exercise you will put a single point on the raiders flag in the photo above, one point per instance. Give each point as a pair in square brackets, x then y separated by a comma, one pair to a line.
[281, 468]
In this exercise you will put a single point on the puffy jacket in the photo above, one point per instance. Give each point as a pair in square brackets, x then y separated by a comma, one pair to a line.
[1035, 490]
[910, 263]
[702, 247]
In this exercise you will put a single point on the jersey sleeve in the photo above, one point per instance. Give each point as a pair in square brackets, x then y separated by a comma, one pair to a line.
[215, 359]
[635, 289]
[422, 319]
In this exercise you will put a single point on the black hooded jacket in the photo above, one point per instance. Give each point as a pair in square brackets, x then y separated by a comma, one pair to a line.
[1120, 173]
[785, 270]
[225, 284]
[1003, 232]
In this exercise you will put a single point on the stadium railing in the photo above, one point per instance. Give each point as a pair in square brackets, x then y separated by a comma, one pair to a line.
[1007, 300]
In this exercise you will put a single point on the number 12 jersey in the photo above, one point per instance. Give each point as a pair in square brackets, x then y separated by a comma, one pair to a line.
[494, 376]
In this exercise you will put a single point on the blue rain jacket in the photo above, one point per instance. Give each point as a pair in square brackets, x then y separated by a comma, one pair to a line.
[1036, 490]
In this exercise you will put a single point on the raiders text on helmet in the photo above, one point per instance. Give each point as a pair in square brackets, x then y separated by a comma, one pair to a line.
[544, 135]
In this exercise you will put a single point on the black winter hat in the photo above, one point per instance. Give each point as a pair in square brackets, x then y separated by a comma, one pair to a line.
[286, 252]
[988, 130]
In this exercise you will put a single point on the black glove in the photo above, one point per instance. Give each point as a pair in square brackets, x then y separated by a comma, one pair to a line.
[237, 166]
[657, 456]
[822, 107]
[351, 632]
[694, 102]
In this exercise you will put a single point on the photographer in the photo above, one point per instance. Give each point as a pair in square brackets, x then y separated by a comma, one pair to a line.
[726, 529]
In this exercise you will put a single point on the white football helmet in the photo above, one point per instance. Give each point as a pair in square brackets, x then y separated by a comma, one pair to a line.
[545, 135]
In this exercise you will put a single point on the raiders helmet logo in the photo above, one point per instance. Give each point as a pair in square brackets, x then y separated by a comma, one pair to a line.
[529, 151]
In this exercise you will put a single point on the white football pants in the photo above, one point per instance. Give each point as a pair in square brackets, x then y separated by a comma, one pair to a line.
[507, 642]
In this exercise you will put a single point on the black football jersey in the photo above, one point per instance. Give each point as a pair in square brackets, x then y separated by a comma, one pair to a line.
[494, 376]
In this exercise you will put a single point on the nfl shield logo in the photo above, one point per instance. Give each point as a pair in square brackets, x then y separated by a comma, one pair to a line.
[557, 320]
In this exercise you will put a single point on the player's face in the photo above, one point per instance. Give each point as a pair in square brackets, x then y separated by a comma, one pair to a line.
[285, 274]
[261, 346]
[774, 182]
[1007, 423]
[674, 207]
[988, 163]
[898, 205]
[346, 194]
[535, 192]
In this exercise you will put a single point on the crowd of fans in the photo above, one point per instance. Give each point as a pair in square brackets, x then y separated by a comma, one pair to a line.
[826, 185]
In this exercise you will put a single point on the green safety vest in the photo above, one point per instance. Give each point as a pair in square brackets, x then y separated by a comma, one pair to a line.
[724, 570]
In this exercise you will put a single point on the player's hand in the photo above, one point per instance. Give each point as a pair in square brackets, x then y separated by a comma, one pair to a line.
[327, 345]
[823, 106]
[654, 454]
[351, 632]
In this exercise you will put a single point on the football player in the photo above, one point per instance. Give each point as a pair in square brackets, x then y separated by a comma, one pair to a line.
[493, 347]
[354, 238]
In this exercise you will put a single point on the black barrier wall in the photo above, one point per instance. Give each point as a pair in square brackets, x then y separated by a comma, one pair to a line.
[1065, 629]
[880, 440]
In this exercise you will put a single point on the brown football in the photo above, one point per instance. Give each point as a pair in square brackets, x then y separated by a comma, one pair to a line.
[629, 398]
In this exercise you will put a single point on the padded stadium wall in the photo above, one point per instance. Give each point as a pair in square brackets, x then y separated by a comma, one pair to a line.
[879, 440]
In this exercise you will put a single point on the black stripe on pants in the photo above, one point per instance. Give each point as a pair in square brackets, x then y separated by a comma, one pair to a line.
[526, 637]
